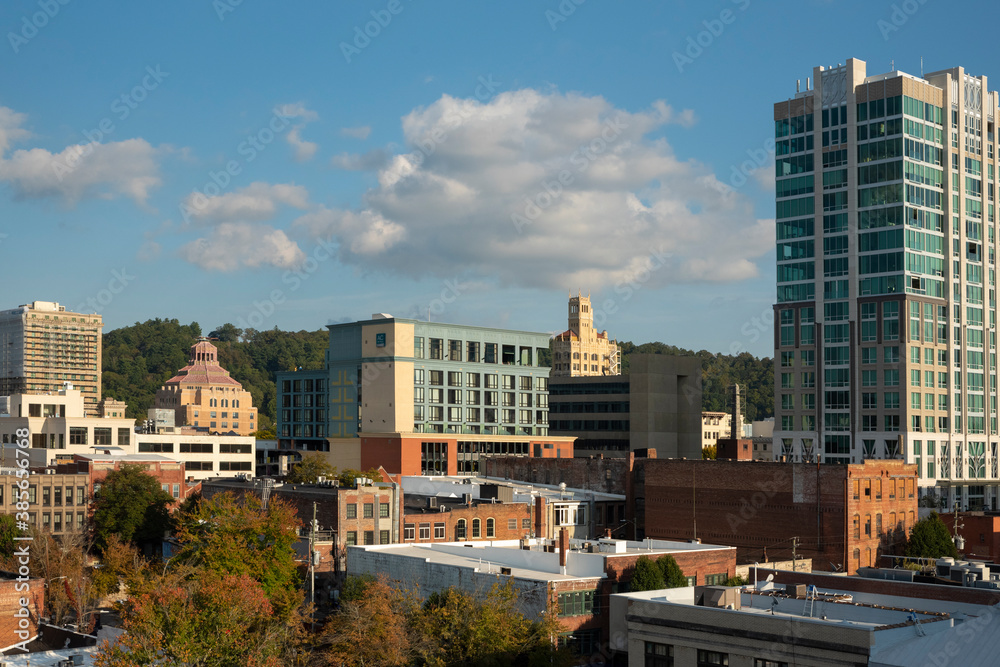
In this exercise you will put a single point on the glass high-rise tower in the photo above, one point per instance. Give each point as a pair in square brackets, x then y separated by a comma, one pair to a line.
[885, 321]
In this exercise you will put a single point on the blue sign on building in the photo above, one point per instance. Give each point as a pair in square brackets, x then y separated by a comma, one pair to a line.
[380, 340]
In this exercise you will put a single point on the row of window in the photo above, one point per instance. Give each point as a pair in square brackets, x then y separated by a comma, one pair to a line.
[436, 413]
[436, 378]
[54, 522]
[51, 495]
[368, 510]
[473, 397]
[475, 352]
[461, 529]
[351, 538]
[308, 385]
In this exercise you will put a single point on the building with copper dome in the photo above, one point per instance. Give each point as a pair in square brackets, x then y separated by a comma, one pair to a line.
[203, 395]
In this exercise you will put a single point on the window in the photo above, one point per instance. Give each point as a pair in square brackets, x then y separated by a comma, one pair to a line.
[491, 527]
[383, 537]
[525, 524]
[577, 603]
[409, 531]
[475, 528]
[425, 531]
[460, 529]
[716, 579]
[352, 538]
[439, 533]
[712, 658]
[383, 510]
[369, 537]
[369, 510]
[511, 524]
[352, 510]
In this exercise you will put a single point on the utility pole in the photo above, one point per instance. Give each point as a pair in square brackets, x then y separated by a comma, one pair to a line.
[795, 544]
[312, 565]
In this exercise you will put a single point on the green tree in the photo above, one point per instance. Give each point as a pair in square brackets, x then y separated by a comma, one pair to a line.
[709, 452]
[131, 505]
[929, 538]
[312, 466]
[348, 475]
[673, 575]
[647, 575]
[8, 531]
[225, 535]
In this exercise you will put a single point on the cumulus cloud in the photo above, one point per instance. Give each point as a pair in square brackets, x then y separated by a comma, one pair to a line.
[256, 202]
[304, 150]
[122, 168]
[234, 245]
[546, 190]
[360, 132]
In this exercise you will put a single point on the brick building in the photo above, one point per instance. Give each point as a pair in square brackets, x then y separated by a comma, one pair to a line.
[544, 509]
[575, 576]
[593, 473]
[168, 472]
[842, 516]
[368, 513]
[12, 592]
[981, 532]
[430, 519]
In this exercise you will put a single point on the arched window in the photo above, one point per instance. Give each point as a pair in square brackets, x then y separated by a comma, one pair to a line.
[857, 526]
[491, 528]
[593, 357]
[236, 403]
[460, 530]
[475, 528]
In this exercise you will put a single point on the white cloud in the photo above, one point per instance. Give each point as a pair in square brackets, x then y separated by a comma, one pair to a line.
[370, 161]
[258, 201]
[122, 168]
[304, 150]
[546, 190]
[360, 132]
[234, 245]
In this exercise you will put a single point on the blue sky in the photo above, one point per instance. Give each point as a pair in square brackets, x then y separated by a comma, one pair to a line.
[271, 164]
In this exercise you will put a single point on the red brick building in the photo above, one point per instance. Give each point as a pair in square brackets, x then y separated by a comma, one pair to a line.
[17, 626]
[842, 516]
[431, 519]
[168, 472]
[980, 531]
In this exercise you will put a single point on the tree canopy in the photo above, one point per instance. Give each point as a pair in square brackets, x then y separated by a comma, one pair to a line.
[312, 466]
[650, 575]
[930, 538]
[131, 505]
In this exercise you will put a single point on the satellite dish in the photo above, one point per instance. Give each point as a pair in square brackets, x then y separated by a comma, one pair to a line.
[770, 578]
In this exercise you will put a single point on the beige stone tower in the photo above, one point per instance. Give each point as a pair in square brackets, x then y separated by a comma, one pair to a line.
[581, 351]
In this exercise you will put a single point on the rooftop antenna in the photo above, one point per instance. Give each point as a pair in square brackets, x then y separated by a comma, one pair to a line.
[921, 67]
[892, 65]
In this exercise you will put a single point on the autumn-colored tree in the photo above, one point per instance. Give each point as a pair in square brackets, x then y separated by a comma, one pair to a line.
[212, 620]
[308, 471]
[69, 592]
[229, 536]
[120, 565]
[372, 630]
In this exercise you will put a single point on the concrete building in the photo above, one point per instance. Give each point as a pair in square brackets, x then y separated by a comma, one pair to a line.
[842, 516]
[714, 425]
[480, 508]
[420, 397]
[884, 341]
[203, 395]
[792, 624]
[204, 455]
[582, 351]
[58, 503]
[59, 427]
[43, 346]
[656, 406]
[572, 578]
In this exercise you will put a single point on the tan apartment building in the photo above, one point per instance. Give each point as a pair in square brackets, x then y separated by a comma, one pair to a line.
[885, 321]
[582, 351]
[42, 345]
[714, 425]
[203, 395]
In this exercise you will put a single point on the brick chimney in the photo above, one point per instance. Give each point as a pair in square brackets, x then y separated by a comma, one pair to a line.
[563, 548]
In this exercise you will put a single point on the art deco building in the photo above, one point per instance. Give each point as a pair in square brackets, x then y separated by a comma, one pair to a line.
[203, 395]
[885, 321]
[42, 346]
[581, 351]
